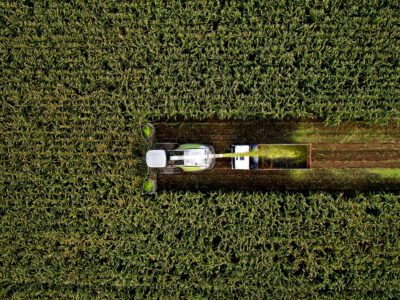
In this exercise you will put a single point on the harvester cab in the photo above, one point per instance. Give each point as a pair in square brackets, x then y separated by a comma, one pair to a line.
[156, 158]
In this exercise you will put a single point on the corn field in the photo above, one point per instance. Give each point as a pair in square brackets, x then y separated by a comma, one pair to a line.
[77, 78]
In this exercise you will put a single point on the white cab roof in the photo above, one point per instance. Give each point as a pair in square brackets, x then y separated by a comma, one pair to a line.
[156, 158]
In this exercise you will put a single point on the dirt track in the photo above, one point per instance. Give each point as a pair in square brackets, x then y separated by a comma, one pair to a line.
[344, 158]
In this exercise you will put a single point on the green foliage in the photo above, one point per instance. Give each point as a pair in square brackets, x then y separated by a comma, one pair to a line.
[77, 77]
[260, 59]
[216, 245]
[309, 133]
[386, 173]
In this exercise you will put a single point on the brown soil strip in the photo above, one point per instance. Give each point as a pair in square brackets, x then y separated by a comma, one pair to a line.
[360, 155]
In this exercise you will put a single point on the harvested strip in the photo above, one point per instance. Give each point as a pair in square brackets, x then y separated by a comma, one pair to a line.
[349, 157]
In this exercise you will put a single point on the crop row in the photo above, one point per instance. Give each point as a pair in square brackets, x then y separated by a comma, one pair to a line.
[229, 244]
[77, 78]
[332, 61]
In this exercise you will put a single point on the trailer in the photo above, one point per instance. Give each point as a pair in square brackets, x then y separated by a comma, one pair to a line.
[271, 156]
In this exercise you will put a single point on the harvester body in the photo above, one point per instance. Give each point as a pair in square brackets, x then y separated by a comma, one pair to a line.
[170, 158]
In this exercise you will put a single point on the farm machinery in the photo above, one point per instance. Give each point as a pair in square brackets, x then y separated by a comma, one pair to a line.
[174, 158]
